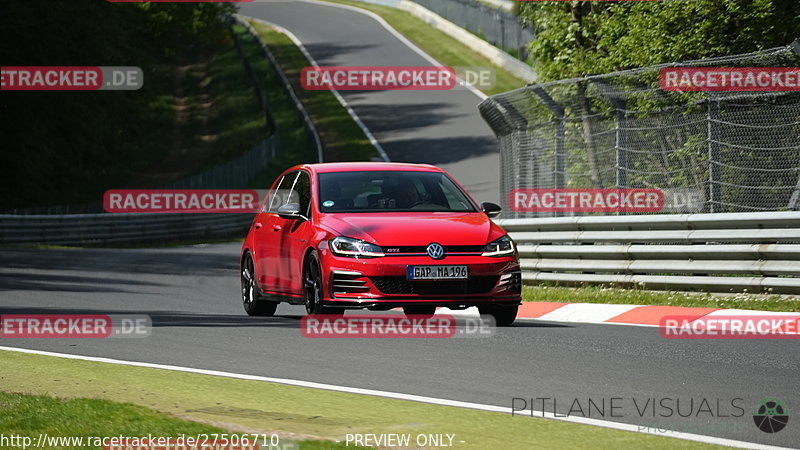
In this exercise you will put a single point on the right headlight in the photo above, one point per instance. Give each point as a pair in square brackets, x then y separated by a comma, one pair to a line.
[345, 246]
[499, 247]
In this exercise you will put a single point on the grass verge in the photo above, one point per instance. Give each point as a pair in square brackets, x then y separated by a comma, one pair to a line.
[82, 421]
[295, 145]
[615, 295]
[342, 138]
[295, 411]
[237, 121]
[442, 47]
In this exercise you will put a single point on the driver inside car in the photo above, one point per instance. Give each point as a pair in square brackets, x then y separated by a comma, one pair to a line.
[406, 195]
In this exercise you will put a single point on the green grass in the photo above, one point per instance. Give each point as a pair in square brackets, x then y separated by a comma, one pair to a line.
[237, 120]
[289, 410]
[445, 49]
[90, 418]
[342, 138]
[616, 295]
[30, 415]
[295, 146]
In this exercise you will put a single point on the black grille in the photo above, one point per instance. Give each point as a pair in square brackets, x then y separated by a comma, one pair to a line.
[422, 249]
[348, 284]
[513, 282]
[402, 286]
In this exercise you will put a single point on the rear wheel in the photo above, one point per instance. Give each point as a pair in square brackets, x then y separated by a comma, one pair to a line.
[254, 304]
[503, 315]
[312, 282]
[419, 310]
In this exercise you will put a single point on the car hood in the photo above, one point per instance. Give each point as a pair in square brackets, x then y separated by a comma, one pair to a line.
[413, 228]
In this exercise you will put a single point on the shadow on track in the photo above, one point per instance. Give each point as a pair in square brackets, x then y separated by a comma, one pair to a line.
[175, 318]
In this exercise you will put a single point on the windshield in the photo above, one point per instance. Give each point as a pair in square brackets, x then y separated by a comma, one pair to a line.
[391, 191]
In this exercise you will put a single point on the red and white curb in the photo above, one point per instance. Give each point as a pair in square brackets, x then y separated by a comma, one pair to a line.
[637, 315]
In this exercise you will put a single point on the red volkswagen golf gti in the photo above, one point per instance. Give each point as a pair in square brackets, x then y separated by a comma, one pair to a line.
[342, 236]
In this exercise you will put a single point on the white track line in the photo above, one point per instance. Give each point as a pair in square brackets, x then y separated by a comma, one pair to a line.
[336, 94]
[400, 396]
[399, 36]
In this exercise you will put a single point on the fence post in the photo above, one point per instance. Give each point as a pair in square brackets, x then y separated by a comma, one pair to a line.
[714, 169]
[560, 166]
[623, 158]
[794, 200]
[620, 106]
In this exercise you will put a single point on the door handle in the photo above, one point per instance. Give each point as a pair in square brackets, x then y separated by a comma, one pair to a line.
[276, 228]
[257, 225]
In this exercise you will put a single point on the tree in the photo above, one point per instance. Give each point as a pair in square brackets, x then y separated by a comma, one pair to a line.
[587, 37]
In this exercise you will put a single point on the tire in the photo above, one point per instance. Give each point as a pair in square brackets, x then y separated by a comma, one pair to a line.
[253, 302]
[504, 316]
[314, 288]
[419, 310]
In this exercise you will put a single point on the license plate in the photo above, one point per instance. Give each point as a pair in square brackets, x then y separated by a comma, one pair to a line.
[437, 272]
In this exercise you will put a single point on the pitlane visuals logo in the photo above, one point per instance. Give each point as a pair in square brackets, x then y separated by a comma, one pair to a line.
[771, 415]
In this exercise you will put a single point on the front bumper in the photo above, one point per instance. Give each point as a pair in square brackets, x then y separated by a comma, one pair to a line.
[380, 283]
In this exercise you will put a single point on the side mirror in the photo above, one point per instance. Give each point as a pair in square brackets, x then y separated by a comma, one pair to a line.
[491, 209]
[290, 211]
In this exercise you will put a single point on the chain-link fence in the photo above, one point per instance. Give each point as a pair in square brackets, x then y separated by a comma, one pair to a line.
[500, 28]
[706, 151]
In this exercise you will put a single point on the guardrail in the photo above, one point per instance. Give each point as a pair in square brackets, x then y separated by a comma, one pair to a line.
[754, 252]
[261, 96]
[103, 229]
[286, 85]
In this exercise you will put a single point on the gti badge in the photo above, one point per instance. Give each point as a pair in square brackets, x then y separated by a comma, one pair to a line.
[435, 251]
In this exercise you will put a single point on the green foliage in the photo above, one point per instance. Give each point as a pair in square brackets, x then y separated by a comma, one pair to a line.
[580, 37]
[90, 140]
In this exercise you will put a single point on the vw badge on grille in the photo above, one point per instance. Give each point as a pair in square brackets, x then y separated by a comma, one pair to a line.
[435, 251]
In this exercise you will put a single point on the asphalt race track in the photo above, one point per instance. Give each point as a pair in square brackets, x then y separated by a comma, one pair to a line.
[436, 127]
[191, 293]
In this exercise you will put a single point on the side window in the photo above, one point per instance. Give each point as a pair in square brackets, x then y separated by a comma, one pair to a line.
[278, 194]
[301, 193]
[271, 196]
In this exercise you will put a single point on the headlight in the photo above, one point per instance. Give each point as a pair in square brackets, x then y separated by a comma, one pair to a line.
[345, 246]
[499, 247]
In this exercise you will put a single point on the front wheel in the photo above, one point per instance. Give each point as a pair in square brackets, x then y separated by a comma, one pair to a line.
[312, 282]
[254, 304]
[503, 315]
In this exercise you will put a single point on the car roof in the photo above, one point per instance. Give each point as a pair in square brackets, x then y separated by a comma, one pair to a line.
[368, 166]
